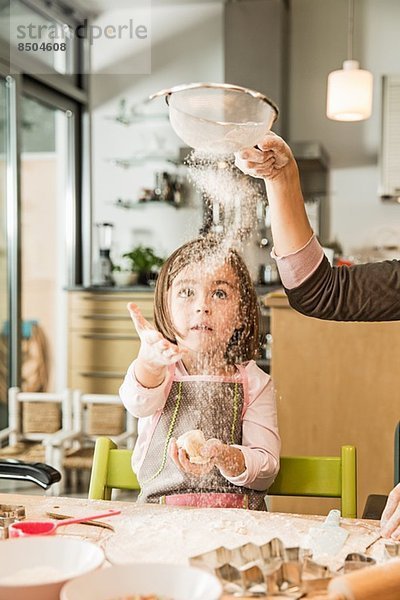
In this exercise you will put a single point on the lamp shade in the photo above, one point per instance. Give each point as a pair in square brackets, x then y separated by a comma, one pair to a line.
[349, 95]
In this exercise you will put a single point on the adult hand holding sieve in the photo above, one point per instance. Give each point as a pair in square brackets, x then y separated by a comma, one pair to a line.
[267, 160]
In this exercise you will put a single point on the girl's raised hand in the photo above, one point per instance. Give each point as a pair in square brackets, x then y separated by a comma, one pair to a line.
[155, 350]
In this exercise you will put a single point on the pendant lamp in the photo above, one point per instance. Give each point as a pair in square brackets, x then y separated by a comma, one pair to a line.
[349, 96]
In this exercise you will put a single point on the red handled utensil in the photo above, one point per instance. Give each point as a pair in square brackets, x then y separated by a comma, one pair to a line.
[26, 528]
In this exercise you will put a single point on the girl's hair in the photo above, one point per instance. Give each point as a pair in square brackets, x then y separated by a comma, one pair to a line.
[244, 343]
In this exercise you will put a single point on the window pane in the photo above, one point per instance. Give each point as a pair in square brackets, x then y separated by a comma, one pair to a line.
[4, 316]
[35, 35]
[44, 163]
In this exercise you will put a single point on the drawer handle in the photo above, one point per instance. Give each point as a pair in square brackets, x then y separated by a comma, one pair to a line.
[103, 374]
[107, 317]
[115, 298]
[107, 336]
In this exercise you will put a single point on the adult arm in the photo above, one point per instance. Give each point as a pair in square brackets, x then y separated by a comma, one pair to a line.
[369, 292]
[273, 161]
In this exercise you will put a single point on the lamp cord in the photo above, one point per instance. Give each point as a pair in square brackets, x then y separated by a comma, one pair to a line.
[350, 28]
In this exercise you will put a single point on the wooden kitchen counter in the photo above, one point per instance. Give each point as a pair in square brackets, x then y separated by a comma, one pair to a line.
[37, 507]
[337, 383]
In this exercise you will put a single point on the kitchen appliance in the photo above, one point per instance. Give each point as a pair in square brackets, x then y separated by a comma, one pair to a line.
[218, 118]
[268, 274]
[38, 473]
[104, 266]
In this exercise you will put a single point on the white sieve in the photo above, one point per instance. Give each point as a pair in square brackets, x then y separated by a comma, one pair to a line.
[218, 118]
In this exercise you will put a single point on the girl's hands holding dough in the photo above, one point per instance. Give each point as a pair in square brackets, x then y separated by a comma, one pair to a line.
[181, 459]
[193, 455]
[229, 460]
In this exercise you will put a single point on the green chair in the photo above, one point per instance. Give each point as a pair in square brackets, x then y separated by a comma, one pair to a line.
[331, 477]
[111, 469]
[320, 476]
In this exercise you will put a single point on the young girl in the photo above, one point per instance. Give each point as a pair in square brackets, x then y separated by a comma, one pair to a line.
[195, 371]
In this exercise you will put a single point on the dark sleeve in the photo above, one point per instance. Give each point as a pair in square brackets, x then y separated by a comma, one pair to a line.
[368, 292]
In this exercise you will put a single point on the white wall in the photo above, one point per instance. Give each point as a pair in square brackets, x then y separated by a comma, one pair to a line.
[187, 45]
[318, 46]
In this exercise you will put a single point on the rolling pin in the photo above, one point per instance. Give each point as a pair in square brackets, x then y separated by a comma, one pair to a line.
[379, 581]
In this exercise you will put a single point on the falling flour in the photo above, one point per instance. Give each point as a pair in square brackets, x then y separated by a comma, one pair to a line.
[231, 196]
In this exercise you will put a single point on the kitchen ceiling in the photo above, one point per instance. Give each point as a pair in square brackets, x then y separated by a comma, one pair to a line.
[96, 7]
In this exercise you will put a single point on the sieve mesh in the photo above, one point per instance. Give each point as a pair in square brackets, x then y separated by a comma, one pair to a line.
[219, 120]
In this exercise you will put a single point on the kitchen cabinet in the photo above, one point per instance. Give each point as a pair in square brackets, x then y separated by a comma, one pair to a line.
[336, 383]
[102, 340]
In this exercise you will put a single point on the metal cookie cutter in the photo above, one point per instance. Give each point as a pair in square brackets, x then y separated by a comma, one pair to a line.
[315, 577]
[392, 549]
[9, 513]
[255, 570]
[355, 561]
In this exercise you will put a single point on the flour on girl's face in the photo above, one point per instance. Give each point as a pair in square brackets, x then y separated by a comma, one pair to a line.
[204, 306]
[205, 323]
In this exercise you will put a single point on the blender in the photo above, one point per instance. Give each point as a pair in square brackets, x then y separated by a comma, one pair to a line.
[104, 266]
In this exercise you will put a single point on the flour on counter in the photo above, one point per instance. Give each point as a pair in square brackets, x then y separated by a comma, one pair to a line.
[172, 535]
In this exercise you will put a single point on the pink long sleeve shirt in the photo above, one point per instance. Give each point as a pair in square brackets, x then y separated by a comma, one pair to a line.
[295, 268]
[260, 437]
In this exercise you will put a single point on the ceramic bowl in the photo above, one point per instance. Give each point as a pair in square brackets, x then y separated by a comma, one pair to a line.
[125, 278]
[37, 567]
[171, 581]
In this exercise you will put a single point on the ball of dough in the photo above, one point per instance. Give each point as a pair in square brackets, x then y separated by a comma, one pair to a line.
[191, 442]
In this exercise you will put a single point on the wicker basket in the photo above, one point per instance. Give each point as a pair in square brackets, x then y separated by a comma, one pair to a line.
[41, 417]
[28, 451]
[79, 459]
[105, 419]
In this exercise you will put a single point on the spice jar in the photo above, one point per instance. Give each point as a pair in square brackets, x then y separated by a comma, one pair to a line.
[5, 522]
[10, 513]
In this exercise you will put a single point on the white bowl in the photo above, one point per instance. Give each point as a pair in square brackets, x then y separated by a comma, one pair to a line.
[125, 278]
[173, 581]
[36, 568]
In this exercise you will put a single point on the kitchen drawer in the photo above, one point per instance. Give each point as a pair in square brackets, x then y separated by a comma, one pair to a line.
[101, 322]
[96, 382]
[102, 351]
[113, 303]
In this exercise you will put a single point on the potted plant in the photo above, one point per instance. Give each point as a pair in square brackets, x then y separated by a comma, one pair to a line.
[146, 262]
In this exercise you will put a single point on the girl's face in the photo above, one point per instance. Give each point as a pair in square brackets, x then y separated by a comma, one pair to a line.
[204, 307]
